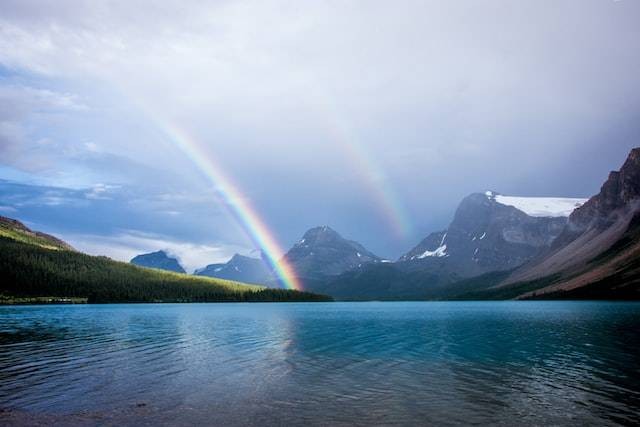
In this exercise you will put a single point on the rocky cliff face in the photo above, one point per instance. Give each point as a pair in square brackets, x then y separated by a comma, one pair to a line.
[239, 268]
[617, 196]
[594, 229]
[323, 252]
[159, 260]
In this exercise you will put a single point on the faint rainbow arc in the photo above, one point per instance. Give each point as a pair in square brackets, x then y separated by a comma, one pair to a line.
[374, 176]
[237, 204]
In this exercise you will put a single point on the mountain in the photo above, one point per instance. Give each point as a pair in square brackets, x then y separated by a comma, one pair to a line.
[598, 252]
[159, 260]
[489, 233]
[36, 267]
[239, 268]
[322, 252]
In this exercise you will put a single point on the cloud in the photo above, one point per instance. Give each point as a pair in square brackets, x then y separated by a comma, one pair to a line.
[447, 98]
[21, 107]
[101, 191]
[126, 244]
[106, 210]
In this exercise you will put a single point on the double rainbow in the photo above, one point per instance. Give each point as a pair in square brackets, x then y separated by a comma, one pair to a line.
[245, 214]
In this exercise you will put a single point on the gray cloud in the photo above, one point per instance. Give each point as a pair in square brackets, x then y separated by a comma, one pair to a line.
[20, 107]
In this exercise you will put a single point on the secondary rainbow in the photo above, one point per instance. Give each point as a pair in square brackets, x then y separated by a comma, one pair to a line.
[375, 179]
[240, 208]
[378, 184]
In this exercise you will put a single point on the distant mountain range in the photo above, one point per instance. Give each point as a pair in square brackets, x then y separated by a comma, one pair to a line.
[322, 253]
[496, 246]
[489, 233]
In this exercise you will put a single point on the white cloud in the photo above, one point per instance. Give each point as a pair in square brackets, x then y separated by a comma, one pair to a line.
[101, 191]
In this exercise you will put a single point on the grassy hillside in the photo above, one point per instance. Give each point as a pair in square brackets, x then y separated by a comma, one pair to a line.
[14, 229]
[34, 266]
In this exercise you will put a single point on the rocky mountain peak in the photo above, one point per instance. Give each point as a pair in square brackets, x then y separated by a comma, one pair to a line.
[320, 235]
[322, 251]
[237, 258]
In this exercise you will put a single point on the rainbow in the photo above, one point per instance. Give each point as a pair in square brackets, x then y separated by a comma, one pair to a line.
[376, 180]
[237, 204]
[374, 176]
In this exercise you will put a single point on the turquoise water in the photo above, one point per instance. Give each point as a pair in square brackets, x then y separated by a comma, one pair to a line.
[407, 363]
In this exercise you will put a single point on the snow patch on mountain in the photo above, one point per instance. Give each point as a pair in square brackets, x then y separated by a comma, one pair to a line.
[539, 206]
[438, 252]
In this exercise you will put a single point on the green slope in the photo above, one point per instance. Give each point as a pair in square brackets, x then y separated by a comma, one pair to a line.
[14, 229]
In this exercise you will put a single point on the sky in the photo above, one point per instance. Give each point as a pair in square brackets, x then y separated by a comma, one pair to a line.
[128, 127]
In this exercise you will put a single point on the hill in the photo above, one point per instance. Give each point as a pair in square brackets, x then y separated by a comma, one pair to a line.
[14, 229]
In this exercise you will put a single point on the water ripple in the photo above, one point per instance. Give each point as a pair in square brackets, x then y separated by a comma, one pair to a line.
[567, 363]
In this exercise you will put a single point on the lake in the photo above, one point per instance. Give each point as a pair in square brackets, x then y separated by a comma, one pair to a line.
[401, 363]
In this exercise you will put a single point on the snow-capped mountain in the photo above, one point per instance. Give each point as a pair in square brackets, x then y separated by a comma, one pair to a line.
[492, 232]
[323, 252]
[239, 268]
